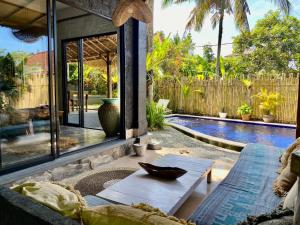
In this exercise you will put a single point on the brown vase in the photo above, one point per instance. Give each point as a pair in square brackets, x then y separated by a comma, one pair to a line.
[246, 117]
[109, 116]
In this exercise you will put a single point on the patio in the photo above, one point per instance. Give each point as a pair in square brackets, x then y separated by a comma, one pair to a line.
[73, 53]
[174, 142]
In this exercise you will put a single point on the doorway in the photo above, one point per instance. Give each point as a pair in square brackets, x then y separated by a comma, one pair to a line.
[89, 75]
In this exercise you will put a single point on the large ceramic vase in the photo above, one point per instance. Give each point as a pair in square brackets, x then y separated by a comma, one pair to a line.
[268, 118]
[109, 116]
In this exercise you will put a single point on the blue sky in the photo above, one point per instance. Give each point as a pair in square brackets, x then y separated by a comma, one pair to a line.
[9, 43]
[173, 20]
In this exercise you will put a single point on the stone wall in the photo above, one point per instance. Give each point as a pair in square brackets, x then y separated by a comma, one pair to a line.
[80, 166]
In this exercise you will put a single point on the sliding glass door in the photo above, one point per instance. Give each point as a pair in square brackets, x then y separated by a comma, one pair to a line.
[73, 83]
[25, 83]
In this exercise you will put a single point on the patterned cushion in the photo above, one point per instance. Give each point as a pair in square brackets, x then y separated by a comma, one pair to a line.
[247, 190]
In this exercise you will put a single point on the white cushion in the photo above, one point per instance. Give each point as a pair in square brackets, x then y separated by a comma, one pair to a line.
[291, 198]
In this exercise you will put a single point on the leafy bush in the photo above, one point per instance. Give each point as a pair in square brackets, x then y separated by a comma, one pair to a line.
[155, 116]
[268, 101]
[94, 92]
[244, 109]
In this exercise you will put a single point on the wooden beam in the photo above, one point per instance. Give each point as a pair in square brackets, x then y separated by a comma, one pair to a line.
[99, 42]
[89, 47]
[72, 51]
[96, 46]
[109, 78]
[36, 19]
[112, 42]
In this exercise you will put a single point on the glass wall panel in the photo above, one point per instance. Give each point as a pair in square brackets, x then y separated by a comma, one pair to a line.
[73, 83]
[87, 52]
[24, 82]
[100, 75]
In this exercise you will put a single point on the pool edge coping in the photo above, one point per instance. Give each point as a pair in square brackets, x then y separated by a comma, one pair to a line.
[220, 142]
[234, 120]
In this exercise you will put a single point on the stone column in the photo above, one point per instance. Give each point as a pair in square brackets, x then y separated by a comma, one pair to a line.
[135, 77]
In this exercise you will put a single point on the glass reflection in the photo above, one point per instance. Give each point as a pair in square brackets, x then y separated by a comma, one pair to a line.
[24, 83]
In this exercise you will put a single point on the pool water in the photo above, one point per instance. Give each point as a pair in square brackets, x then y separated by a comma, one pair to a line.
[238, 131]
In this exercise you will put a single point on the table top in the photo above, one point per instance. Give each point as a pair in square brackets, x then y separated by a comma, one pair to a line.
[167, 195]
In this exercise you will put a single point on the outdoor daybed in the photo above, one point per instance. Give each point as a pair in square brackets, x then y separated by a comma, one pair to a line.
[247, 190]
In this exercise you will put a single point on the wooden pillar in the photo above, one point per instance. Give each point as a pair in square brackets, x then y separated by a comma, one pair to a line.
[298, 112]
[109, 78]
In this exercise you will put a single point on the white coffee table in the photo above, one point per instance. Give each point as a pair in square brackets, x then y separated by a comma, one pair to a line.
[167, 195]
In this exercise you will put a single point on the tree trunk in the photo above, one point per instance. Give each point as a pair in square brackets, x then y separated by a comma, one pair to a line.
[150, 3]
[218, 65]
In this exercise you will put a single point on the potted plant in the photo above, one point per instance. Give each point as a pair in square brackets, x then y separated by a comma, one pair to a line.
[268, 104]
[245, 112]
[222, 113]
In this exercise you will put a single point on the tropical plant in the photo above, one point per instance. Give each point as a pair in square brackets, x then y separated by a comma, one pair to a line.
[218, 9]
[155, 116]
[244, 109]
[271, 47]
[11, 84]
[268, 101]
[208, 53]
[155, 59]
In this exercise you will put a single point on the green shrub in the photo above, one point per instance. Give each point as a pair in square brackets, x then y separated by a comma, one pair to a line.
[94, 92]
[155, 116]
[244, 109]
[268, 101]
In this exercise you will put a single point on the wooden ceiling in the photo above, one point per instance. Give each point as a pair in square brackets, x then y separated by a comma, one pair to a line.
[94, 48]
[23, 14]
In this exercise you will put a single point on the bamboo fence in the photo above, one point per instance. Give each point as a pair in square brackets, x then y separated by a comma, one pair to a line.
[35, 94]
[208, 97]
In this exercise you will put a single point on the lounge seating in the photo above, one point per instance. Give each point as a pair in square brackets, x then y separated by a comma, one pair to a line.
[247, 190]
[164, 104]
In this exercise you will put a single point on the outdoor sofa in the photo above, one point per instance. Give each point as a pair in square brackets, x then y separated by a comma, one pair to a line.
[247, 190]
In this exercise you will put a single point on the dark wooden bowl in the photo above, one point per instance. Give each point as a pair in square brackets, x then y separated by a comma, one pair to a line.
[170, 173]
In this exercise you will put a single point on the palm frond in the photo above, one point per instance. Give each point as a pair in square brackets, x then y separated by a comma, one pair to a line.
[284, 5]
[199, 13]
[167, 3]
[215, 20]
[241, 9]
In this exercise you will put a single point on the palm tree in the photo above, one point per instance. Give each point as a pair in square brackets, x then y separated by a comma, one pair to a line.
[218, 9]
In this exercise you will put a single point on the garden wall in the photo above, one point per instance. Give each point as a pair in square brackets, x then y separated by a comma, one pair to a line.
[36, 92]
[207, 97]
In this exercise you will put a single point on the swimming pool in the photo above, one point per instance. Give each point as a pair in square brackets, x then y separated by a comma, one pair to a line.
[279, 136]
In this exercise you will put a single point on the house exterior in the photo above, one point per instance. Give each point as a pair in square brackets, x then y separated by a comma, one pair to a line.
[65, 38]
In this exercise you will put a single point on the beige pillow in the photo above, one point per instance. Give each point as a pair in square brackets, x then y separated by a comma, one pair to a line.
[62, 199]
[291, 198]
[284, 181]
[286, 155]
[128, 215]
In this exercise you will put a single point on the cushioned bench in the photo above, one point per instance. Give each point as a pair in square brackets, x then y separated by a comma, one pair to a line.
[247, 190]
[16, 209]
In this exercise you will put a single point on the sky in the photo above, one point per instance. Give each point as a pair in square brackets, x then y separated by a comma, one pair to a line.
[173, 19]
